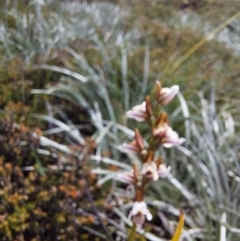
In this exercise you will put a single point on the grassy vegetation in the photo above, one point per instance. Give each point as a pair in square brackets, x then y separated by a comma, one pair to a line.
[68, 73]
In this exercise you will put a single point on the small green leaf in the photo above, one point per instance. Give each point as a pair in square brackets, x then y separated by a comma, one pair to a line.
[39, 164]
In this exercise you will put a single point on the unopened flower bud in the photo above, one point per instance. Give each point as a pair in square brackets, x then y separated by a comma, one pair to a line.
[148, 106]
[163, 118]
[139, 140]
[158, 88]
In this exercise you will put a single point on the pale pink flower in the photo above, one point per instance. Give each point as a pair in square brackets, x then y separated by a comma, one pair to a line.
[136, 146]
[139, 212]
[163, 170]
[129, 148]
[150, 170]
[126, 177]
[138, 112]
[168, 136]
[167, 94]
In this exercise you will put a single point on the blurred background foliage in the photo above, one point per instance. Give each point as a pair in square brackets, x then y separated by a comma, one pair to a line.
[69, 70]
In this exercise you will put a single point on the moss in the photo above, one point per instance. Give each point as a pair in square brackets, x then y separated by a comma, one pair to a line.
[35, 205]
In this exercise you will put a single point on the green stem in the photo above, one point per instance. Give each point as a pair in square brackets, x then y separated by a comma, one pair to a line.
[133, 232]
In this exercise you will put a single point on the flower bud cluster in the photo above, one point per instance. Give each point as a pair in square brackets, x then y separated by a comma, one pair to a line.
[162, 135]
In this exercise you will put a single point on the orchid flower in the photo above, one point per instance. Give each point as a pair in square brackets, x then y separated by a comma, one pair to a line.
[167, 94]
[138, 112]
[126, 177]
[136, 146]
[130, 148]
[163, 170]
[168, 136]
[139, 212]
[149, 169]
[154, 171]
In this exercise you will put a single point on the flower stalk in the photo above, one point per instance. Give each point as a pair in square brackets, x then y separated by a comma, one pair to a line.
[162, 135]
[152, 166]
